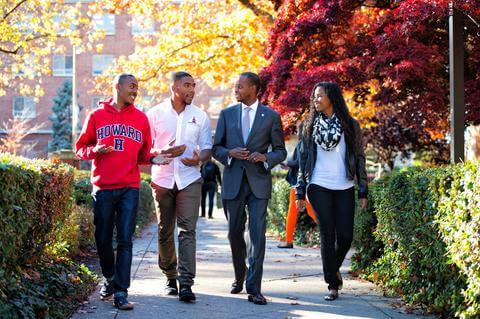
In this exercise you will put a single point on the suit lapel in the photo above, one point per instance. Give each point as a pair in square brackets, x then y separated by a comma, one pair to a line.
[257, 122]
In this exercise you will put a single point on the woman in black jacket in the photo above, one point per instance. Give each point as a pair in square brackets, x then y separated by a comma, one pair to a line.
[330, 156]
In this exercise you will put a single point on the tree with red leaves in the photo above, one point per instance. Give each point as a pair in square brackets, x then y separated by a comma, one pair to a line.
[389, 56]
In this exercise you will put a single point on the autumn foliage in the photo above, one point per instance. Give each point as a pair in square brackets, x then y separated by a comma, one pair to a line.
[390, 57]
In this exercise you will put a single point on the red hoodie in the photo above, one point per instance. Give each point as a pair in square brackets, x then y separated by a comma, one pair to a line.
[128, 132]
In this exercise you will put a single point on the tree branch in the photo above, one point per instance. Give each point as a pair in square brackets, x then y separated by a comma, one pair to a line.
[256, 10]
[5, 16]
[33, 38]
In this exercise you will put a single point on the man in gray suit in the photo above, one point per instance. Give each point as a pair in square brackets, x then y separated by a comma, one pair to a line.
[244, 134]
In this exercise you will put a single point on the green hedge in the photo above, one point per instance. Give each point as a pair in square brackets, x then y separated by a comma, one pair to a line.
[35, 204]
[46, 222]
[420, 238]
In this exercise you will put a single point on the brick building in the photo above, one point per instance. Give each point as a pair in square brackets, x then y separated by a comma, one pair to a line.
[119, 30]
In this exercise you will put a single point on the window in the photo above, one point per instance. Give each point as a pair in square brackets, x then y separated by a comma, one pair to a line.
[25, 25]
[24, 107]
[62, 65]
[101, 62]
[62, 27]
[105, 23]
[142, 25]
[27, 67]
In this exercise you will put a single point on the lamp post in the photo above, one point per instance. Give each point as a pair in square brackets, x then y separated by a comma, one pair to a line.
[75, 110]
[457, 88]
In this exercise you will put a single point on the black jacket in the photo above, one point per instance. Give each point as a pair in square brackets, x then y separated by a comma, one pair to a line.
[354, 164]
[292, 164]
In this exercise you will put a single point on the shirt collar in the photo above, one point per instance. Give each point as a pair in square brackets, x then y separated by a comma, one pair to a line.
[170, 103]
[254, 106]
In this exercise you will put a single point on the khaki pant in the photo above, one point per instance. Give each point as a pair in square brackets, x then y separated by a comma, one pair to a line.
[181, 206]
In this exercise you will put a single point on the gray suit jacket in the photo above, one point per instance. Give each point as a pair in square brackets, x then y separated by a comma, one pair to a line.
[266, 131]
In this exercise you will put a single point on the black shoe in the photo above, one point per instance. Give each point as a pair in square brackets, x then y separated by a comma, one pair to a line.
[237, 287]
[340, 280]
[285, 245]
[257, 299]
[171, 288]
[106, 292]
[332, 295]
[186, 294]
[210, 217]
[120, 301]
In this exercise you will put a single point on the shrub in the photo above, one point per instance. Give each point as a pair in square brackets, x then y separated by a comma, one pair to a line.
[425, 242]
[37, 277]
[278, 206]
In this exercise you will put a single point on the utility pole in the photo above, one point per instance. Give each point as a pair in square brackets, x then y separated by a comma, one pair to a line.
[457, 87]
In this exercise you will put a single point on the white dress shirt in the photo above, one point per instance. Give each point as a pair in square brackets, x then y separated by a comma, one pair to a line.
[252, 113]
[192, 128]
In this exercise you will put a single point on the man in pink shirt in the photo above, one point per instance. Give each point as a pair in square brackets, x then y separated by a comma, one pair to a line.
[180, 130]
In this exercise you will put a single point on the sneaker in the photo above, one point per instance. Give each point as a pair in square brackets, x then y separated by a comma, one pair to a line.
[332, 295]
[186, 294]
[106, 292]
[171, 287]
[285, 245]
[120, 301]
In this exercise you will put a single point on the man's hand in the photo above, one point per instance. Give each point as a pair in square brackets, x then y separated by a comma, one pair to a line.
[192, 161]
[239, 153]
[102, 149]
[257, 157]
[363, 203]
[161, 160]
[300, 204]
[174, 151]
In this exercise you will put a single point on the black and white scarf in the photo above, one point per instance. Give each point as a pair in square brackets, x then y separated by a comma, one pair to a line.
[327, 132]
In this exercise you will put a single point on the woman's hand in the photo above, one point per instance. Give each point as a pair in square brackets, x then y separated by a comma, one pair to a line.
[300, 203]
[363, 203]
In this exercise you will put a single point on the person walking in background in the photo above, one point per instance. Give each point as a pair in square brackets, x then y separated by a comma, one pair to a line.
[331, 154]
[116, 137]
[210, 175]
[292, 213]
[180, 130]
[244, 134]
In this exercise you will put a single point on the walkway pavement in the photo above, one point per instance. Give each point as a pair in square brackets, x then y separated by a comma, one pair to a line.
[292, 283]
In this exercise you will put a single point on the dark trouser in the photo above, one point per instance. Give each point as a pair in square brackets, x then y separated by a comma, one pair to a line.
[335, 210]
[115, 208]
[255, 252]
[209, 188]
[181, 206]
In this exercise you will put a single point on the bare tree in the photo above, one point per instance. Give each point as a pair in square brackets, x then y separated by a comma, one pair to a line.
[15, 131]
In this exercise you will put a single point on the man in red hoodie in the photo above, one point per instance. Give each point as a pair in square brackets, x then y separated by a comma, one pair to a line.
[116, 137]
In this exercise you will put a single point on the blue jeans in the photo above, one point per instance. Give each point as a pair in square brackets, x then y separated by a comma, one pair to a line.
[115, 208]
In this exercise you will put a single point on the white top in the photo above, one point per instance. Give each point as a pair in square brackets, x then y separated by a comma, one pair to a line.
[329, 170]
[192, 128]
[252, 113]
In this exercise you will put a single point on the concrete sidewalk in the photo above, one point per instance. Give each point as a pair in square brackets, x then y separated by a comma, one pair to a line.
[292, 283]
